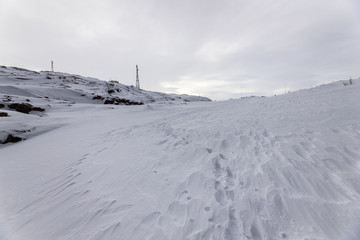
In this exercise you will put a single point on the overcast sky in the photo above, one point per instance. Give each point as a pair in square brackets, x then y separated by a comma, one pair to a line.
[216, 48]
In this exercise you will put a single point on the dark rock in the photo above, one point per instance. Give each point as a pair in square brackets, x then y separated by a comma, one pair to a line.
[122, 101]
[4, 114]
[2, 105]
[12, 139]
[98, 97]
[38, 109]
[25, 107]
[110, 91]
[23, 131]
[109, 101]
[7, 99]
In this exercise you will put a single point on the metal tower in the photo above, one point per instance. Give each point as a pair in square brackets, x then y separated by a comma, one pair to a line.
[137, 78]
[52, 66]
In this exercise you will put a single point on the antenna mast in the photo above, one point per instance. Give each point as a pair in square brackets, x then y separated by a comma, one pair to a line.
[52, 66]
[137, 78]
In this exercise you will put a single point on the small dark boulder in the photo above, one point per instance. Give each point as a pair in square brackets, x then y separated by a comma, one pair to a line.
[2, 105]
[98, 97]
[7, 99]
[12, 139]
[38, 109]
[4, 114]
[109, 101]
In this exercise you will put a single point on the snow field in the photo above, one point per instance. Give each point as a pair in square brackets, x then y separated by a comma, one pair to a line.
[285, 167]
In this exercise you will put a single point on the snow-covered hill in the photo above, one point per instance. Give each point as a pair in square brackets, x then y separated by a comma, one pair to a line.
[33, 92]
[285, 167]
[77, 89]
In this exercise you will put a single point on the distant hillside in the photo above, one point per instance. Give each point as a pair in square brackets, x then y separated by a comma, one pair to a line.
[22, 83]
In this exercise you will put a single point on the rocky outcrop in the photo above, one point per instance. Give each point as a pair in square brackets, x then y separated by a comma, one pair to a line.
[25, 107]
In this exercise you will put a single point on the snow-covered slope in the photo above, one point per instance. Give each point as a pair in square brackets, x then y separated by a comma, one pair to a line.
[286, 167]
[46, 90]
[75, 88]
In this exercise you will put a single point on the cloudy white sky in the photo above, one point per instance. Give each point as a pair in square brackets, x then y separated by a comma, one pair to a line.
[216, 48]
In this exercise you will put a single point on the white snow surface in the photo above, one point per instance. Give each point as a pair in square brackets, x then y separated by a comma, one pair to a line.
[285, 167]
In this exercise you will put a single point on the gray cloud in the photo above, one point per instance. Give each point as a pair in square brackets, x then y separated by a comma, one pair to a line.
[220, 49]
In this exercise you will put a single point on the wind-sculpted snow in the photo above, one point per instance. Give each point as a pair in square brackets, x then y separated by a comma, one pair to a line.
[286, 167]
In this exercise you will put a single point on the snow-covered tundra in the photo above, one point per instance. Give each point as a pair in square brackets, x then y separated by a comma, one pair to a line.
[285, 167]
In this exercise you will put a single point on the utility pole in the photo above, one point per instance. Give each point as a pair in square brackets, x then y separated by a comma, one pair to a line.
[137, 78]
[52, 66]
